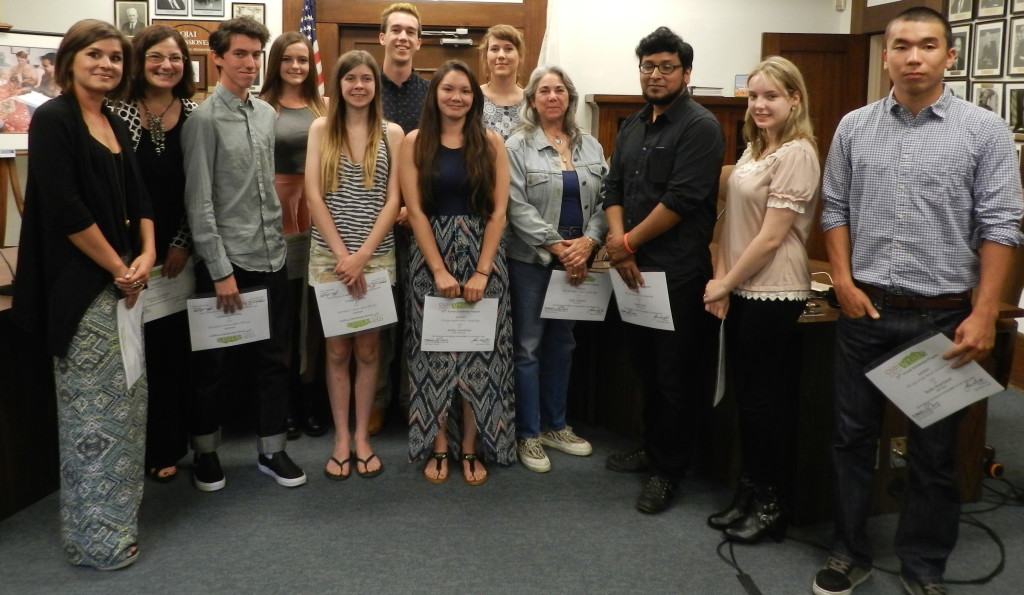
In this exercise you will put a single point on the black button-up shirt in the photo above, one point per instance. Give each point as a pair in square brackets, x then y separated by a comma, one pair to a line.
[404, 103]
[676, 161]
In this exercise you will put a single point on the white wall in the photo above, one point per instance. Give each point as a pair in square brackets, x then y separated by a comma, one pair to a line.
[594, 40]
[58, 15]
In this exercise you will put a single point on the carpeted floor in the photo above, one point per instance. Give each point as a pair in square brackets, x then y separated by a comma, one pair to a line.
[573, 530]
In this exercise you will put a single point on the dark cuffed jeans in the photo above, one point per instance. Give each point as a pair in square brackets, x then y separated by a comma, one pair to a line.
[929, 519]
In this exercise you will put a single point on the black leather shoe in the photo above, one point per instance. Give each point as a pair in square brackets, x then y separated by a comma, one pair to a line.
[292, 428]
[766, 517]
[633, 461]
[315, 427]
[656, 495]
[737, 510]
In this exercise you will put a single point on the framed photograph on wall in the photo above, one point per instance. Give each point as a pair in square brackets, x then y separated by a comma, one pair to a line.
[988, 48]
[962, 45]
[989, 96]
[131, 17]
[959, 89]
[1018, 6]
[29, 61]
[991, 8]
[208, 8]
[1015, 106]
[199, 73]
[1015, 59]
[171, 8]
[960, 10]
[246, 9]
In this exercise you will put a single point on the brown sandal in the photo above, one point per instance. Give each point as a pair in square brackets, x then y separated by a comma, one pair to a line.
[438, 458]
[472, 458]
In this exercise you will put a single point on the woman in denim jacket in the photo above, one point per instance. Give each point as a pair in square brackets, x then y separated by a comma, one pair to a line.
[556, 220]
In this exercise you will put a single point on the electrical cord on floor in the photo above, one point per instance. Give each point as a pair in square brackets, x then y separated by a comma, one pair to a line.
[745, 579]
[1013, 497]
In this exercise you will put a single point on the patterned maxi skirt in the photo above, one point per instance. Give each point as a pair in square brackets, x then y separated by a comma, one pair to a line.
[102, 428]
[483, 378]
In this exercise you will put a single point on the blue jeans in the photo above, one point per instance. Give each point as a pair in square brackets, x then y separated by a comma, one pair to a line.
[929, 519]
[542, 351]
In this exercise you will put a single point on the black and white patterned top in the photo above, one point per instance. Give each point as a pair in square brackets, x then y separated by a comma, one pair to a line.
[503, 119]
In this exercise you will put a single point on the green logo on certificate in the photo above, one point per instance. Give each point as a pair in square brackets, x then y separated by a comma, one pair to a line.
[911, 358]
[359, 323]
[230, 339]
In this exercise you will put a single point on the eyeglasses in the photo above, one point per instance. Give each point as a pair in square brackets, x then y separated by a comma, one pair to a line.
[648, 68]
[159, 58]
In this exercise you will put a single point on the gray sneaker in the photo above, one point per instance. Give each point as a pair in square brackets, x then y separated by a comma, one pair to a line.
[839, 578]
[532, 456]
[566, 441]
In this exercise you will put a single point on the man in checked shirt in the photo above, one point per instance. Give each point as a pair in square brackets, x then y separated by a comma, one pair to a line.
[922, 206]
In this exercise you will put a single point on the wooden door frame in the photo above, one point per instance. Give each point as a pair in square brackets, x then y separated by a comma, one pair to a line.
[530, 17]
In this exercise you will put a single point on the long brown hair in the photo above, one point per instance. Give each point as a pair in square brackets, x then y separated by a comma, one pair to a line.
[478, 154]
[273, 84]
[337, 135]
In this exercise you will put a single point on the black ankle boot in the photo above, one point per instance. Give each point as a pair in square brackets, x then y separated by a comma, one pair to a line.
[738, 509]
[766, 517]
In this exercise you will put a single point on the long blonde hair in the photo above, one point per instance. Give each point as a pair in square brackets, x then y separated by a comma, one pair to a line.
[785, 75]
[337, 134]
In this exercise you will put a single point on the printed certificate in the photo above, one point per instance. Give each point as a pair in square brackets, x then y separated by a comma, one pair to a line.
[129, 331]
[343, 314]
[645, 306]
[586, 301]
[212, 328]
[452, 324]
[925, 387]
[164, 296]
[297, 259]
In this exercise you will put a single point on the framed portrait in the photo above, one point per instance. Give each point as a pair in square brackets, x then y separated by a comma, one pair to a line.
[988, 48]
[962, 45]
[199, 74]
[991, 8]
[246, 9]
[131, 17]
[1018, 6]
[1015, 58]
[208, 8]
[171, 8]
[257, 84]
[1015, 106]
[961, 10]
[988, 96]
[959, 89]
[26, 82]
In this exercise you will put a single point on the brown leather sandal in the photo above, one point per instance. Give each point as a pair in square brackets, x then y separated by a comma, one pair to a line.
[472, 458]
[437, 458]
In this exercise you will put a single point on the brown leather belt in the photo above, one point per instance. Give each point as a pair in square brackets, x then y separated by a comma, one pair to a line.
[949, 301]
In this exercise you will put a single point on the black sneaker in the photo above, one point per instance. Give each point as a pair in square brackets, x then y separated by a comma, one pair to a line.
[280, 466]
[206, 472]
[839, 578]
[633, 461]
[656, 495]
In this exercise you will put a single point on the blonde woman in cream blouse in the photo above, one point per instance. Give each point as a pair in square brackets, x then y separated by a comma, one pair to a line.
[760, 286]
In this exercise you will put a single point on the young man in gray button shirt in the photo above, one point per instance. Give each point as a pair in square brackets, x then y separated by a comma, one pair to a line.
[235, 217]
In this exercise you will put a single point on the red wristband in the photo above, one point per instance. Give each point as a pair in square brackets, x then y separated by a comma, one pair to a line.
[625, 243]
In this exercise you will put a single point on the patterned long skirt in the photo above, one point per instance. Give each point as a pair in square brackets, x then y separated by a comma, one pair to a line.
[483, 378]
[102, 428]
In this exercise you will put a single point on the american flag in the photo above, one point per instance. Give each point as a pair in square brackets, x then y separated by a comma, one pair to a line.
[307, 26]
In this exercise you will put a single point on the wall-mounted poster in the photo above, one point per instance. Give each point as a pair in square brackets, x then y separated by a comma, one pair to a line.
[988, 49]
[245, 9]
[207, 8]
[26, 82]
[962, 45]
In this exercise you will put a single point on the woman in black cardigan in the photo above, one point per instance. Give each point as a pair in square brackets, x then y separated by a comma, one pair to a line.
[86, 244]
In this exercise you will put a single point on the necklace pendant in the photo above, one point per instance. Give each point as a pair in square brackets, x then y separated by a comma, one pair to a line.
[558, 140]
[127, 223]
